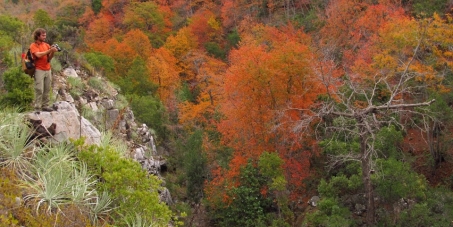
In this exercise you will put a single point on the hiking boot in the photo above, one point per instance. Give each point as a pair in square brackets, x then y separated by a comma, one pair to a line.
[47, 109]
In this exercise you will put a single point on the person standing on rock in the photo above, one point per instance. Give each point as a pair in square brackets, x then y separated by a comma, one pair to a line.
[42, 53]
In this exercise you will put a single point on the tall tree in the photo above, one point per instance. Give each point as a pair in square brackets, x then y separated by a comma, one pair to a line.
[150, 18]
[209, 77]
[380, 89]
[165, 74]
[99, 30]
[139, 43]
[42, 19]
[269, 72]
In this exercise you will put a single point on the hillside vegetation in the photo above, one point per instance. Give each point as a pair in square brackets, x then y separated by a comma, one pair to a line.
[262, 107]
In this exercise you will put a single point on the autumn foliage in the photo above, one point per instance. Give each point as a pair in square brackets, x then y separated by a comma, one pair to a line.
[247, 75]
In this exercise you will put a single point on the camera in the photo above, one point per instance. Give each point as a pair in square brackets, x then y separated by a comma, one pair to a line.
[56, 46]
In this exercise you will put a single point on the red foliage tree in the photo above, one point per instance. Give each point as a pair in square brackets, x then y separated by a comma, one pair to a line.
[270, 71]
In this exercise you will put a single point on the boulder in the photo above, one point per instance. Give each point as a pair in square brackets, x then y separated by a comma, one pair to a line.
[69, 123]
[112, 118]
[70, 72]
[108, 104]
[313, 201]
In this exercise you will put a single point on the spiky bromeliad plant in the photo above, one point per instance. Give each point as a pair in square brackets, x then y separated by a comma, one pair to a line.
[15, 146]
[59, 179]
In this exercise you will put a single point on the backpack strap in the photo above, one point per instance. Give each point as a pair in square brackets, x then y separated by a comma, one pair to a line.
[29, 56]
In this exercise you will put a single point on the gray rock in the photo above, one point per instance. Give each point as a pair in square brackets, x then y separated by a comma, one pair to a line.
[82, 101]
[69, 123]
[108, 104]
[112, 116]
[93, 106]
[165, 196]
[359, 209]
[139, 154]
[313, 201]
[70, 72]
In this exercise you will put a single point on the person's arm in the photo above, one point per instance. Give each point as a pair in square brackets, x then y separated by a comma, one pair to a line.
[49, 52]
[50, 56]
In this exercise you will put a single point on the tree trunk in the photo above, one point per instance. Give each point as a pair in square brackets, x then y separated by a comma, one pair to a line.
[366, 178]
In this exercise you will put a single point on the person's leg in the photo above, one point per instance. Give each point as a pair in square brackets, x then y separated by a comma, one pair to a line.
[47, 82]
[39, 88]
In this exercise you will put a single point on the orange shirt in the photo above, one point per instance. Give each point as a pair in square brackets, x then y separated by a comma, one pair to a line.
[40, 63]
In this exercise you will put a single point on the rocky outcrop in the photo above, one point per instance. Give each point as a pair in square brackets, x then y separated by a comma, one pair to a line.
[107, 116]
[69, 123]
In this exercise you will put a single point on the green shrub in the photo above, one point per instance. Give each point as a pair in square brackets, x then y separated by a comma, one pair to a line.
[76, 86]
[330, 213]
[233, 39]
[56, 65]
[434, 210]
[136, 81]
[121, 102]
[19, 88]
[151, 111]
[195, 166]
[428, 8]
[98, 84]
[388, 141]
[247, 206]
[397, 180]
[131, 189]
[215, 50]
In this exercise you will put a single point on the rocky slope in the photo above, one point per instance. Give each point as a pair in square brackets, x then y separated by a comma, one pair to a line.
[89, 106]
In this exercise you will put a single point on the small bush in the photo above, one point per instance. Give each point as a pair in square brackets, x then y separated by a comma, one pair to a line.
[131, 189]
[56, 65]
[330, 213]
[151, 111]
[215, 50]
[76, 86]
[98, 84]
[19, 88]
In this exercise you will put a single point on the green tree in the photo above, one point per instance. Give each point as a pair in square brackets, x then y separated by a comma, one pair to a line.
[42, 19]
[195, 166]
[215, 50]
[146, 17]
[6, 42]
[330, 213]
[136, 80]
[397, 180]
[271, 167]
[428, 8]
[100, 62]
[69, 15]
[247, 205]
[96, 5]
[150, 110]
[11, 27]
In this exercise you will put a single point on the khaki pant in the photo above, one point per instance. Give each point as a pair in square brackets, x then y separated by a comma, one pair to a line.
[43, 83]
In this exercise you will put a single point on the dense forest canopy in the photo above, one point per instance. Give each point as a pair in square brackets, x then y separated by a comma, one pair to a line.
[264, 104]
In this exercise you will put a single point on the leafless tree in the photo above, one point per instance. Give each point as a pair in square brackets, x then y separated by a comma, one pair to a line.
[359, 102]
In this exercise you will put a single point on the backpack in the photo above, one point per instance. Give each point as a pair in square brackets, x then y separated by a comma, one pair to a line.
[28, 64]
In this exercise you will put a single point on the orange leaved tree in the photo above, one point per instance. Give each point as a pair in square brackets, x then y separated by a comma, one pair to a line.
[268, 72]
